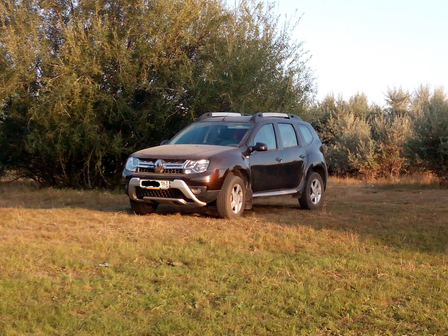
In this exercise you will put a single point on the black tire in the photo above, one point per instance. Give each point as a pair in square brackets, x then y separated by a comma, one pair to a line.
[313, 196]
[141, 208]
[231, 198]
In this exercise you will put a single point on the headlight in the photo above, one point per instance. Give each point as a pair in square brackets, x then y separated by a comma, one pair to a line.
[193, 166]
[132, 164]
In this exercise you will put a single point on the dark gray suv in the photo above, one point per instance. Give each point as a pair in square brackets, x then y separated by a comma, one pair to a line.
[227, 159]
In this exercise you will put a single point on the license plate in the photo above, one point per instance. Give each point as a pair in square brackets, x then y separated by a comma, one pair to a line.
[155, 184]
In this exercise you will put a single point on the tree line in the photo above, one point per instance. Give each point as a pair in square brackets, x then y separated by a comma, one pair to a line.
[85, 83]
[408, 135]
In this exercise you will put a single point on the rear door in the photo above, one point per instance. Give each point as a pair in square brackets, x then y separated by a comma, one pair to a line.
[293, 155]
[266, 167]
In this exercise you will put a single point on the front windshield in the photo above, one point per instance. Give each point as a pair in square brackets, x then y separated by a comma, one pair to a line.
[212, 133]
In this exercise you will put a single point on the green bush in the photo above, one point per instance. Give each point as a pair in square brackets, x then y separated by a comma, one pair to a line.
[364, 140]
[352, 151]
[346, 134]
[83, 84]
[390, 135]
[428, 149]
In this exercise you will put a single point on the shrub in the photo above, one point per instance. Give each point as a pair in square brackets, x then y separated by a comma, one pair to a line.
[390, 136]
[428, 149]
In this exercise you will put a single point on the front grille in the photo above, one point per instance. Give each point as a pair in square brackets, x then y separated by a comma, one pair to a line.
[169, 166]
[180, 161]
[165, 193]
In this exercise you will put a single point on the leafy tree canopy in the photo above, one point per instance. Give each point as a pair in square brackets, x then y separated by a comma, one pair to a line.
[84, 83]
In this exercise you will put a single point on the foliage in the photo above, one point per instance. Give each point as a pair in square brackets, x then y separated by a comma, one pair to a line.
[85, 83]
[408, 135]
[390, 136]
[346, 135]
[429, 147]
[398, 102]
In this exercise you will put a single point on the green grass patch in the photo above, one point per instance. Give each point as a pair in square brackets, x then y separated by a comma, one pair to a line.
[372, 262]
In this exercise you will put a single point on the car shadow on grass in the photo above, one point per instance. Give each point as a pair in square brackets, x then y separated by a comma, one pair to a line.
[190, 211]
[27, 195]
[403, 218]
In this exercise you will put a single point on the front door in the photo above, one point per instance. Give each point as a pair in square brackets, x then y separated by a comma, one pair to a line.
[266, 167]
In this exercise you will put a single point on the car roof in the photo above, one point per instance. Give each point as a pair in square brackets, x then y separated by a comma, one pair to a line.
[243, 117]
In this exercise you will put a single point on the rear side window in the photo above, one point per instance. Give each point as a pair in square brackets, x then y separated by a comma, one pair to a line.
[288, 135]
[306, 134]
[266, 135]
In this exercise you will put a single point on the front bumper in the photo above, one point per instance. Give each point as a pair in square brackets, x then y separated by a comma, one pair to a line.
[178, 193]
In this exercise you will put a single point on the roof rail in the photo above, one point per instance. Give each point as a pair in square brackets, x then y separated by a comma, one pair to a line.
[275, 115]
[222, 114]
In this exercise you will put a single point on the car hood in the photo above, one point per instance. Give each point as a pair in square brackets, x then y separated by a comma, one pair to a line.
[190, 152]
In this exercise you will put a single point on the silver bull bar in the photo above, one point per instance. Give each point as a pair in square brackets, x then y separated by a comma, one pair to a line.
[135, 182]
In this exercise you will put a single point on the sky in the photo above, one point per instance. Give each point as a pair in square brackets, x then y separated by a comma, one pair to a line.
[370, 46]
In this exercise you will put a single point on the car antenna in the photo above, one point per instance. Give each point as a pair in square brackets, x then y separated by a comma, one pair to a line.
[226, 116]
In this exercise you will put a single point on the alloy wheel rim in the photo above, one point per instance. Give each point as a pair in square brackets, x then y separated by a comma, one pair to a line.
[236, 198]
[316, 191]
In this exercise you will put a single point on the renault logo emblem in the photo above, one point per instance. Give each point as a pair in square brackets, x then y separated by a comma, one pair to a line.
[158, 166]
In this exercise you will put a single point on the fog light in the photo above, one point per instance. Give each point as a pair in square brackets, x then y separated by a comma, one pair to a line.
[196, 191]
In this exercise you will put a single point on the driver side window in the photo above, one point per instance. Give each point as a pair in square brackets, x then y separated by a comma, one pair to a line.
[266, 135]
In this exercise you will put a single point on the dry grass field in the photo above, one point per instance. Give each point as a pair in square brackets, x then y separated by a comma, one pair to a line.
[372, 262]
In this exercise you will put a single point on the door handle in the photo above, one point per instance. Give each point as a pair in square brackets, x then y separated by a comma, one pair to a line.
[302, 156]
[279, 159]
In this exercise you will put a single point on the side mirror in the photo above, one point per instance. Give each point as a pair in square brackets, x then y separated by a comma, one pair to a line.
[164, 142]
[259, 147]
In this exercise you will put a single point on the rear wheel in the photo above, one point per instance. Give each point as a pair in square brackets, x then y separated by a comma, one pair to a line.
[313, 195]
[231, 198]
[141, 208]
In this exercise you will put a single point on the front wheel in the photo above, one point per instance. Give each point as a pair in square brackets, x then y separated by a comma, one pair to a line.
[231, 198]
[313, 195]
[141, 208]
